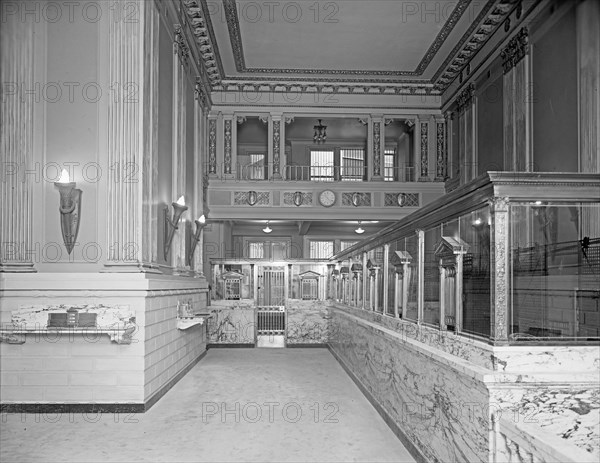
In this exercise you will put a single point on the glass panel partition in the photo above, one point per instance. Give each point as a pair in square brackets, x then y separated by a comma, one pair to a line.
[555, 255]
[431, 308]
[475, 231]
[479, 263]
[412, 306]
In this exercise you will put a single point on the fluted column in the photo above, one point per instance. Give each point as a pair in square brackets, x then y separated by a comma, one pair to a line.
[17, 172]
[199, 174]
[466, 128]
[516, 103]
[126, 145]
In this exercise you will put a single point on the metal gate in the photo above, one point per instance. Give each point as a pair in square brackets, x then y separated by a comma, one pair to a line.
[270, 311]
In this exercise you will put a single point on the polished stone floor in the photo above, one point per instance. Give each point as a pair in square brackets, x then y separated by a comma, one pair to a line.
[263, 405]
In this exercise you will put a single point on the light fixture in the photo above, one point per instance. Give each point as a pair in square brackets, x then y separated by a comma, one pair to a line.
[359, 230]
[267, 229]
[320, 133]
[170, 226]
[70, 209]
[477, 222]
[200, 224]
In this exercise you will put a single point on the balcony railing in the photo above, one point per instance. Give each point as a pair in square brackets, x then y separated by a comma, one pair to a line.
[245, 172]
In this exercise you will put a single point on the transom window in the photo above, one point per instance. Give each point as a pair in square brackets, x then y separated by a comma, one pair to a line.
[320, 249]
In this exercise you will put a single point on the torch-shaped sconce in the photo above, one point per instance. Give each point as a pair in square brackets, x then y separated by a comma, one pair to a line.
[70, 209]
[171, 224]
[200, 224]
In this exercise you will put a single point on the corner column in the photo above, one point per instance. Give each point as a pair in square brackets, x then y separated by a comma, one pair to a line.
[500, 291]
[127, 147]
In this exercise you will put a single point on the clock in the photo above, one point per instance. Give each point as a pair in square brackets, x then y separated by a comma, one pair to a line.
[327, 198]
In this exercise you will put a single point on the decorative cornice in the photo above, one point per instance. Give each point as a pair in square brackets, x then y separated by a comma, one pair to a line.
[233, 24]
[335, 87]
[516, 50]
[486, 23]
[199, 17]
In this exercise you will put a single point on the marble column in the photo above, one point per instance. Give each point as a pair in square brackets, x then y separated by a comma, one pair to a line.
[127, 147]
[500, 274]
[17, 170]
[516, 103]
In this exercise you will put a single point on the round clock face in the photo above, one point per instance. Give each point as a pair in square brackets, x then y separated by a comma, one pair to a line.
[327, 198]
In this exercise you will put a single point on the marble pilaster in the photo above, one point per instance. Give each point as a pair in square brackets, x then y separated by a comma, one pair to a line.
[517, 101]
[127, 148]
[16, 138]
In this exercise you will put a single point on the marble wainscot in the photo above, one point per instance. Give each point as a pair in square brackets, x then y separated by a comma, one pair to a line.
[443, 394]
[122, 359]
[307, 323]
[118, 322]
[231, 323]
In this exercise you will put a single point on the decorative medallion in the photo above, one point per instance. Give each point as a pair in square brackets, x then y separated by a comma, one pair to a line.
[401, 200]
[252, 198]
[298, 198]
[356, 199]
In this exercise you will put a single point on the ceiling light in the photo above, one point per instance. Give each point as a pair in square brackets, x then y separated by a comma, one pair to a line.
[320, 133]
[267, 229]
[359, 230]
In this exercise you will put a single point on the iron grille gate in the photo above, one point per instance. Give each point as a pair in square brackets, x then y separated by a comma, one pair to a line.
[270, 311]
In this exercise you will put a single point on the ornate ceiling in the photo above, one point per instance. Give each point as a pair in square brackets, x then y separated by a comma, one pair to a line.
[369, 46]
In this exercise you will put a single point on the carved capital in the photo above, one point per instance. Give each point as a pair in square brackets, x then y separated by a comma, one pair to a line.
[465, 97]
[516, 50]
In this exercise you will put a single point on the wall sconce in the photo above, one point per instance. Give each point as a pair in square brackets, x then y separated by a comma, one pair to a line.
[171, 224]
[267, 229]
[200, 224]
[70, 209]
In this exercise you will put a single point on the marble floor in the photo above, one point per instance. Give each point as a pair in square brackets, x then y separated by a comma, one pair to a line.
[263, 405]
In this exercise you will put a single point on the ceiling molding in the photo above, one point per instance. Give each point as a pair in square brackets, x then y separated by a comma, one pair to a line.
[233, 24]
[491, 17]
